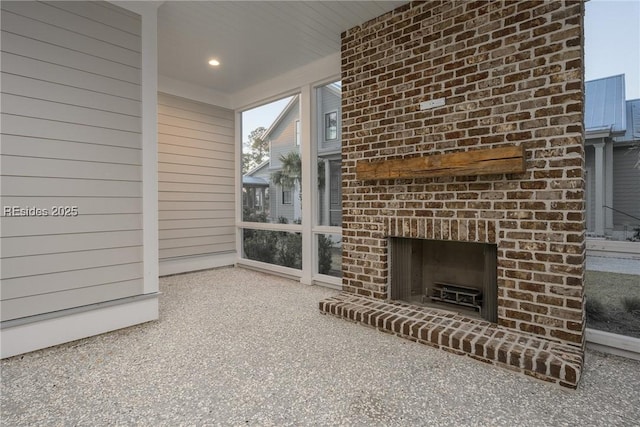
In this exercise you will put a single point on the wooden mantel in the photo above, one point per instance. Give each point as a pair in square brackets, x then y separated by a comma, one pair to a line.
[466, 163]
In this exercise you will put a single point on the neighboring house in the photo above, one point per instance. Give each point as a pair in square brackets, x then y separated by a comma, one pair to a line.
[284, 137]
[255, 189]
[612, 128]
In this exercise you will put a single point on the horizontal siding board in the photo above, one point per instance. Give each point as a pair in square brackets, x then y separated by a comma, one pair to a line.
[177, 196]
[62, 187]
[66, 280]
[222, 138]
[40, 245]
[184, 214]
[196, 223]
[166, 113]
[194, 152]
[195, 125]
[36, 304]
[37, 226]
[40, 128]
[195, 206]
[55, 168]
[102, 12]
[196, 241]
[196, 188]
[191, 170]
[194, 107]
[63, 19]
[43, 31]
[14, 145]
[168, 235]
[195, 179]
[28, 87]
[86, 205]
[64, 75]
[67, 261]
[175, 144]
[194, 161]
[197, 250]
[31, 107]
[174, 216]
[47, 52]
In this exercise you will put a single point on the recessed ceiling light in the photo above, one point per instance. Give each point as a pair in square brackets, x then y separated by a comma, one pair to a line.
[214, 62]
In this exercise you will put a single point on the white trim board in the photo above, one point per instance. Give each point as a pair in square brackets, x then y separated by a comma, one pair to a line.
[196, 263]
[46, 333]
[620, 345]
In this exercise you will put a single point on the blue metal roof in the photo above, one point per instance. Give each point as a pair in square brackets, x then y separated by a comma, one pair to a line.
[254, 181]
[605, 106]
[633, 122]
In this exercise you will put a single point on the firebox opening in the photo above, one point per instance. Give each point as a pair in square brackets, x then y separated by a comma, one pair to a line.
[459, 276]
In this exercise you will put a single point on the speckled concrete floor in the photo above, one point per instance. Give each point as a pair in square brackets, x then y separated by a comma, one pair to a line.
[236, 347]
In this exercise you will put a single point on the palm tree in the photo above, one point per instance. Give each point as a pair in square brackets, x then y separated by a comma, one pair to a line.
[290, 174]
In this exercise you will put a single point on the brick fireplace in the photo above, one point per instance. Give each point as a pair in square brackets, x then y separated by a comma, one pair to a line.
[434, 94]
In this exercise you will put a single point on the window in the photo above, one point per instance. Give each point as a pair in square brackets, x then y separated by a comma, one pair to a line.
[272, 235]
[331, 126]
[271, 162]
[329, 156]
[286, 197]
[327, 147]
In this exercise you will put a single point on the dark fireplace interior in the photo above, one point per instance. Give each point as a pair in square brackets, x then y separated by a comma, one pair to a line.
[458, 276]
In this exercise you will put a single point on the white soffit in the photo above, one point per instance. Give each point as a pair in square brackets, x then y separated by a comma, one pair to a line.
[254, 40]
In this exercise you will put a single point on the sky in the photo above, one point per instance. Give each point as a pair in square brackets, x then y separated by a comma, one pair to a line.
[261, 116]
[612, 42]
[612, 46]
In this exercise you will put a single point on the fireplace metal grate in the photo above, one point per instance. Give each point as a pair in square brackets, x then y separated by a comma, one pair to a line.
[456, 294]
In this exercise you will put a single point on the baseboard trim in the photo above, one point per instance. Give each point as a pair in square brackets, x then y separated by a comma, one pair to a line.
[30, 336]
[196, 263]
[619, 345]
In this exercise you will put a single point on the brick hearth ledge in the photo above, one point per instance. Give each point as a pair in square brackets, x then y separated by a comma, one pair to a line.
[478, 339]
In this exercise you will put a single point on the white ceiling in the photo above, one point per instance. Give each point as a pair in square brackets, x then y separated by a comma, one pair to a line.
[253, 40]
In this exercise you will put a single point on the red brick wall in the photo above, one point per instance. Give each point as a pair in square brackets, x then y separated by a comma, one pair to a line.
[511, 73]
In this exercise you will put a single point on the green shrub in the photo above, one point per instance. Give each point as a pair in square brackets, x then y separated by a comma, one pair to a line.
[289, 250]
[631, 305]
[259, 244]
[251, 216]
[325, 244]
[596, 310]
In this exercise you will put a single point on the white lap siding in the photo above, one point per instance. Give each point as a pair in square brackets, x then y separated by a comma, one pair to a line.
[71, 137]
[195, 179]
[626, 189]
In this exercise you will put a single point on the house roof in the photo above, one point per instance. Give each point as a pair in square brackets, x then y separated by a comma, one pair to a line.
[257, 168]
[254, 181]
[633, 122]
[604, 111]
[283, 113]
